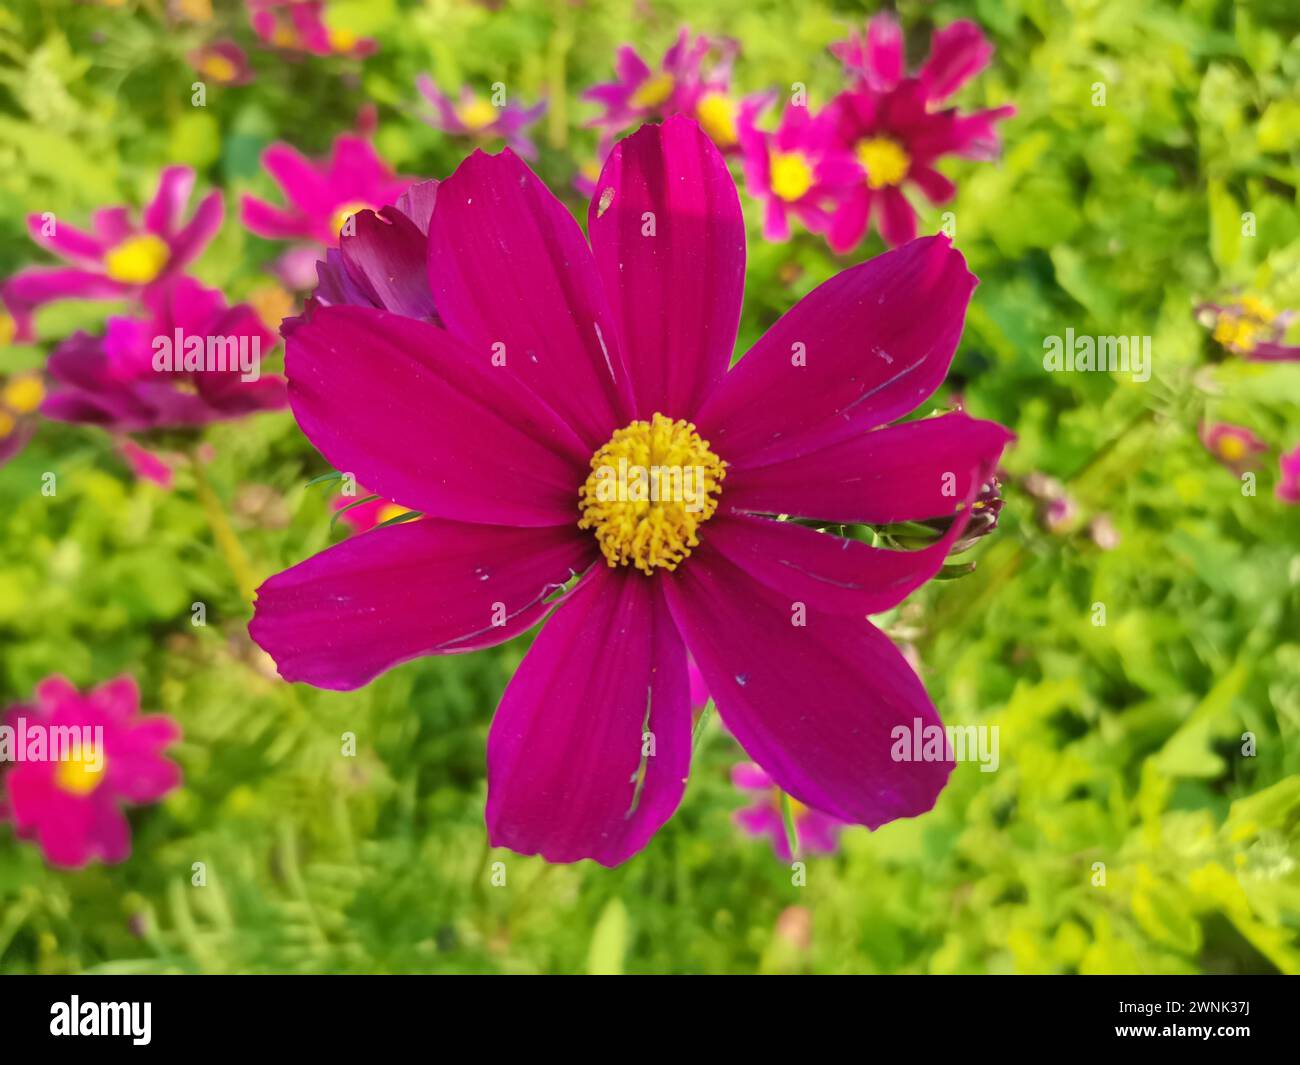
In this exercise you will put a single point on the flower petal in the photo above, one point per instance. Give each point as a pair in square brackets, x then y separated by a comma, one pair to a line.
[566, 774]
[958, 52]
[860, 350]
[165, 210]
[832, 573]
[908, 472]
[342, 617]
[386, 257]
[669, 237]
[424, 422]
[814, 705]
[508, 266]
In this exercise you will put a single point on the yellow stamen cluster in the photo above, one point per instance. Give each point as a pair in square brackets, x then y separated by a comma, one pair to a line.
[218, 67]
[77, 777]
[345, 211]
[137, 260]
[651, 488]
[653, 91]
[791, 175]
[884, 160]
[718, 113]
[1231, 447]
[1241, 327]
[476, 114]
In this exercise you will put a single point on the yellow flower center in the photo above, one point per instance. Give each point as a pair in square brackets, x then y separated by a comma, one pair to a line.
[77, 776]
[218, 67]
[1256, 308]
[884, 161]
[717, 113]
[7, 423]
[1232, 447]
[477, 114]
[342, 40]
[23, 393]
[792, 175]
[653, 91]
[345, 211]
[284, 35]
[650, 489]
[137, 260]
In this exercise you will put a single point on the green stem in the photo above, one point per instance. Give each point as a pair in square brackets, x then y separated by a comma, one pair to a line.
[223, 532]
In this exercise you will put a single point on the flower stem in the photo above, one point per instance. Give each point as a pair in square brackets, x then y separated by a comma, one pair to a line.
[223, 532]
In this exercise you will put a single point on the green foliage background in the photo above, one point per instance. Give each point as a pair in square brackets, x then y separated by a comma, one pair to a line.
[1120, 743]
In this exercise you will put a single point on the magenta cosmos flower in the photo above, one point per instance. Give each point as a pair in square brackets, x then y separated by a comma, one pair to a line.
[118, 257]
[1252, 328]
[798, 169]
[564, 364]
[362, 513]
[1288, 487]
[815, 833]
[126, 381]
[322, 196]
[474, 115]
[895, 126]
[72, 806]
[1233, 445]
[299, 26]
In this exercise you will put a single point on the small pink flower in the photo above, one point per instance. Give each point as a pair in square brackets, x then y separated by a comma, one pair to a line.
[1233, 445]
[895, 126]
[299, 26]
[816, 832]
[1288, 488]
[797, 170]
[119, 257]
[72, 805]
[680, 85]
[223, 62]
[322, 196]
[478, 117]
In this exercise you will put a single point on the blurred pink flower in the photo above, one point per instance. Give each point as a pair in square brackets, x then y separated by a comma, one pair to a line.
[118, 257]
[299, 26]
[796, 170]
[322, 196]
[816, 832]
[71, 805]
[1288, 487]
[895, 127]
[223, 62]
[113, 381]
[478, 117]
[680, 85]
[1233, 445]
[21, 395]
[1252, 328]
[364, 516]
